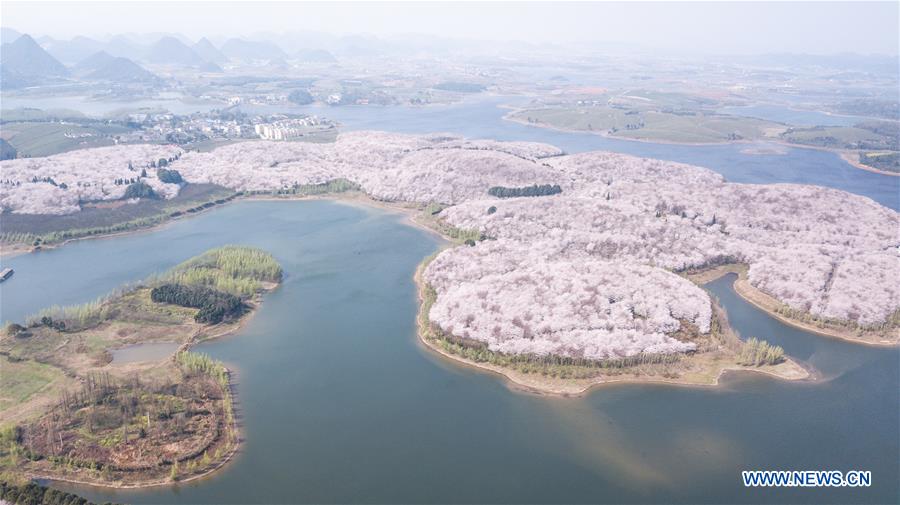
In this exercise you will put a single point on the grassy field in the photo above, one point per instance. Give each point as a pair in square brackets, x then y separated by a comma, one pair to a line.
[20, 380]
[44, 139]
[651, 125]
[840, 137]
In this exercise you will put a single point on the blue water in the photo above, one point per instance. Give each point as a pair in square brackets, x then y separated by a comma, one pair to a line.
[339, 403]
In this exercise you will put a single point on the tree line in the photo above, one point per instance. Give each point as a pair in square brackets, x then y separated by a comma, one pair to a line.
[756, 352]
[215, 306]
[36, 494]
[535, 190]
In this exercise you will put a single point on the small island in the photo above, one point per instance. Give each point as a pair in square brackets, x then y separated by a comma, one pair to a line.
[71, 412]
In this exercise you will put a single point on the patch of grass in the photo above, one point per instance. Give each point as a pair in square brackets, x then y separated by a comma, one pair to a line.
[841, 137]
[19, 380]
[650, 124]
[44, 139]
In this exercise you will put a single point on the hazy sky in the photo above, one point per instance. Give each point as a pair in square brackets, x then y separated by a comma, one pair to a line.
[735, 27]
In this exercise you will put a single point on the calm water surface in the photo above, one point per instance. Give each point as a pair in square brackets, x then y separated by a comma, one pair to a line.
[340, 404]
[150, 351]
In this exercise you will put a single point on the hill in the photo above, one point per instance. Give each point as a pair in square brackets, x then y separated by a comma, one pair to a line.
[121, 45]
[122, 70]
[72, 51]
[209, 52]
[26, 58]
[171, 51]
[93, 62]
[8, 35]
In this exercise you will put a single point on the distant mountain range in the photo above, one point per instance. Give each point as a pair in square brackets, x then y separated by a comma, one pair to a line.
[209, 52]
[8, 35]
[24, 63]
[171, 51]
[73, 51]
[104, 67]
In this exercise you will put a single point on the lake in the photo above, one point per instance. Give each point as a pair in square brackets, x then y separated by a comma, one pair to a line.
[340, 403]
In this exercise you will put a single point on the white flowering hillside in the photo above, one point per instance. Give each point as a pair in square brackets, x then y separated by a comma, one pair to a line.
[514, 299]
[583, 273]
[58, 184]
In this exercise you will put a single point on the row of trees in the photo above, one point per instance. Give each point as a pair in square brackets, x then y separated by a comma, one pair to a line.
[72, 317]
[535, 190]
[232, 269]
[36, 494]
[202, 364]
[756, 352]
[215, 306]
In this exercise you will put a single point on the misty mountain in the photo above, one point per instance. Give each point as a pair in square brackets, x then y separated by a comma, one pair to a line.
[93, 62]
[26, 58]
[102, 66]
[8, 35]
[315, 56]
[209, 52]
[72, 51]
[124, 47]
[209, 66]
[171, 51]
[249, 50]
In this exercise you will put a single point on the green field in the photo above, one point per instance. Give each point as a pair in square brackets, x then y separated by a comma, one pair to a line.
[46, 138]
[651, 125]
[841, 137]
[22, 379]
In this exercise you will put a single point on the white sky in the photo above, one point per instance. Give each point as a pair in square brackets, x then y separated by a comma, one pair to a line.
[734, 27]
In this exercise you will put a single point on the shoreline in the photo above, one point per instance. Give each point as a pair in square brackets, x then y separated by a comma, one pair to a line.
[844, 154]
[853, 159]
[10, 250]
[194, 339]
[759, 299]
[409, 212]
[570, 388]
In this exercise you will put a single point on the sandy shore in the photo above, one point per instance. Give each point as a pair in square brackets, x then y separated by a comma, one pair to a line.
[852, 157]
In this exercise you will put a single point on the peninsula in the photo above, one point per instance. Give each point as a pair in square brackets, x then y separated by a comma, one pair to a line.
[71, 412]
